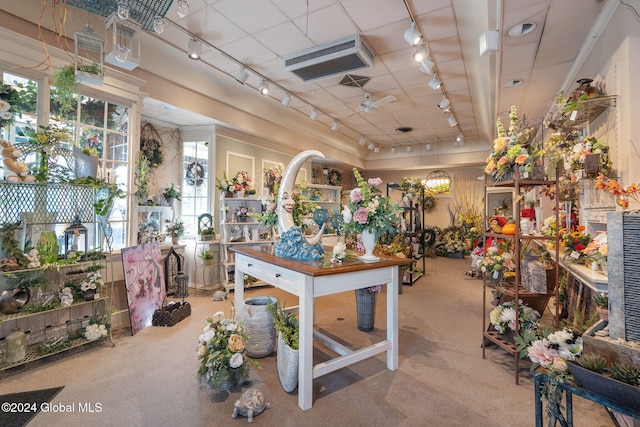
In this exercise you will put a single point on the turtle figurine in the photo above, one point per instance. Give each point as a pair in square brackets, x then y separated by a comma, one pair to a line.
[252, 402]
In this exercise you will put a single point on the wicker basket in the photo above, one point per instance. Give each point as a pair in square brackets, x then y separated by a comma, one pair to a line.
[171, 314]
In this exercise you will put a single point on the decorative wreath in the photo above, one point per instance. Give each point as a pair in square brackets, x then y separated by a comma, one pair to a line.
[195, 174]
[151, 145]
[335, 177]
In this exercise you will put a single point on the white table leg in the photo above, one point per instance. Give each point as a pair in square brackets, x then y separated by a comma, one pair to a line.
[238, 290]
[305, 355]
[392, 320]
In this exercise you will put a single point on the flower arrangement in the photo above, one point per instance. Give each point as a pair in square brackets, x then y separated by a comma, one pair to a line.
[503, 317]
[512, 150]
[575, 160]
[243, 182]
[368, 209]
[451, 240]
[269, 214]
[273, 176]
[243, 212]
[221, 350]
[339, 253]
[225, 184]
[414, 189]
[9, 100]
[175, 228]
[598, 249]
[149, 231]
[95, 331]
[171, 193]
[93, 281]
[614, 187]
[497, 261]
[575, 242]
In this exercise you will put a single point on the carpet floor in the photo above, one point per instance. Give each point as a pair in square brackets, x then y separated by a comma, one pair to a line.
[443, 380]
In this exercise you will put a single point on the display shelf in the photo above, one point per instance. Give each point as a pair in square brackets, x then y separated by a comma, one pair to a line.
[515, 291]
[235, 233]
[32, 354]
[22, 315]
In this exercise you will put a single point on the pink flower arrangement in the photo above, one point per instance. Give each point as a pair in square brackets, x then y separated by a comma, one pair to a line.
[553, 351]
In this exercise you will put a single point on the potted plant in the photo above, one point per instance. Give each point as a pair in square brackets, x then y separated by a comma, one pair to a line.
[206, 257]
[207, 234]
[601, 300]
[286, 324]
[175, 230]
[171, 193]
[89, 74]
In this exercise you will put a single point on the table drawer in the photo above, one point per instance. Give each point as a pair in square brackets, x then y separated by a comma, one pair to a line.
[269, 273]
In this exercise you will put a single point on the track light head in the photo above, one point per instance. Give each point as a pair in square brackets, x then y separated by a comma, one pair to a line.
[376, 149]
[421, 53]
[426, 66]
[412, 35]
[452, 121]
[195, 48]
[362, 140]
[409, 148]
[242, 75]
[434, 83]
[334, 125]
[158, 24]
[370, 146]
[460, 137]
[427, 146]
[444, 104]
[183, 8]
[286, 100]
[393, 149]
[263, 87]
[314, 114]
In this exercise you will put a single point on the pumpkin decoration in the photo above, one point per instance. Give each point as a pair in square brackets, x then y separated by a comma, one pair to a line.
[509, 229]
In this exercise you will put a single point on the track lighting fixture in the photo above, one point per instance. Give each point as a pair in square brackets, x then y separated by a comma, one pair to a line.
[420, 54]
[412, 35]
[263, 87]
[334, 125]
[286, 100]
[376, 149]
[444, 104]
[242, 75]
[158, 24]
[456, 144]
[460, 137]
[452, 120]
[408, 148]
[426, 66]
[393, 149]
[195, 48]
[183, 8]
[427, 146]
[434, 83]
[314, 114]
[362, 140]
[370, 146]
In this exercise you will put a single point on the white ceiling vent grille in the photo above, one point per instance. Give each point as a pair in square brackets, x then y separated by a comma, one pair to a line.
[330, 59]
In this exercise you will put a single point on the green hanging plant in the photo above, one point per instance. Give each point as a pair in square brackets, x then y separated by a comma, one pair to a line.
[66, 88]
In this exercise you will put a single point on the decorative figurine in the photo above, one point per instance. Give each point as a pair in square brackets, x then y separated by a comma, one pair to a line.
[252, 402]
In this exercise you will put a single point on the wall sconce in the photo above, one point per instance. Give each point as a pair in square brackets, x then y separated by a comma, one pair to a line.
[75, 237]
[195, 49]
[263, 87]
[122, 42]
[87, 43]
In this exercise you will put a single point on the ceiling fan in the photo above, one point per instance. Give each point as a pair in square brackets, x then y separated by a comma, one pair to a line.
[368, 104]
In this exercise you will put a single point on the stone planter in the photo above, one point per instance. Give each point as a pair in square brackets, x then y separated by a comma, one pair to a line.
[607, 387]
[288, 364]
[260, 326]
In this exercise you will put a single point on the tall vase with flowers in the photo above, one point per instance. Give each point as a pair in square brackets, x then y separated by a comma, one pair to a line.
[369, 213]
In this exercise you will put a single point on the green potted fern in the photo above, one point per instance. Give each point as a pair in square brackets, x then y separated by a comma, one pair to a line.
[286, 324]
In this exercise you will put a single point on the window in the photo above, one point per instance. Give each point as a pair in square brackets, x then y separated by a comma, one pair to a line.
[195, 185]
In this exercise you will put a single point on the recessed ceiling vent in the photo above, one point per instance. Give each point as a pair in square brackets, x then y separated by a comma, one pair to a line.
[354, 81]
[330, 59]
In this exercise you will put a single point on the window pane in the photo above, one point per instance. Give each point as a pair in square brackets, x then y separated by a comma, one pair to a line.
[92, 111]
[116, 147]
[118, 117]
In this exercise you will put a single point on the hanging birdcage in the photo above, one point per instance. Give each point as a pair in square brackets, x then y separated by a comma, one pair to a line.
[89, 68]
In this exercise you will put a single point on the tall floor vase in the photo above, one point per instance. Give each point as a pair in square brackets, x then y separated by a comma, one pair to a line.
[288, 364]
[369, 242]
[366, 309]
[260, 326]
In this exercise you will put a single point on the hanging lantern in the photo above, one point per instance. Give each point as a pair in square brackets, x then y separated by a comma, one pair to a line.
[90, 47]
[438, 181]
[75, 237]
[123, 42]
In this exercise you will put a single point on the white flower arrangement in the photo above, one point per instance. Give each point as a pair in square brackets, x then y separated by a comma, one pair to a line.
[339, 253]
[94, 281]
[95, 331]
[503, 317]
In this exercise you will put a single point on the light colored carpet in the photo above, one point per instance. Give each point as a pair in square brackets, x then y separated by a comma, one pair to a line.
[150, 379]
